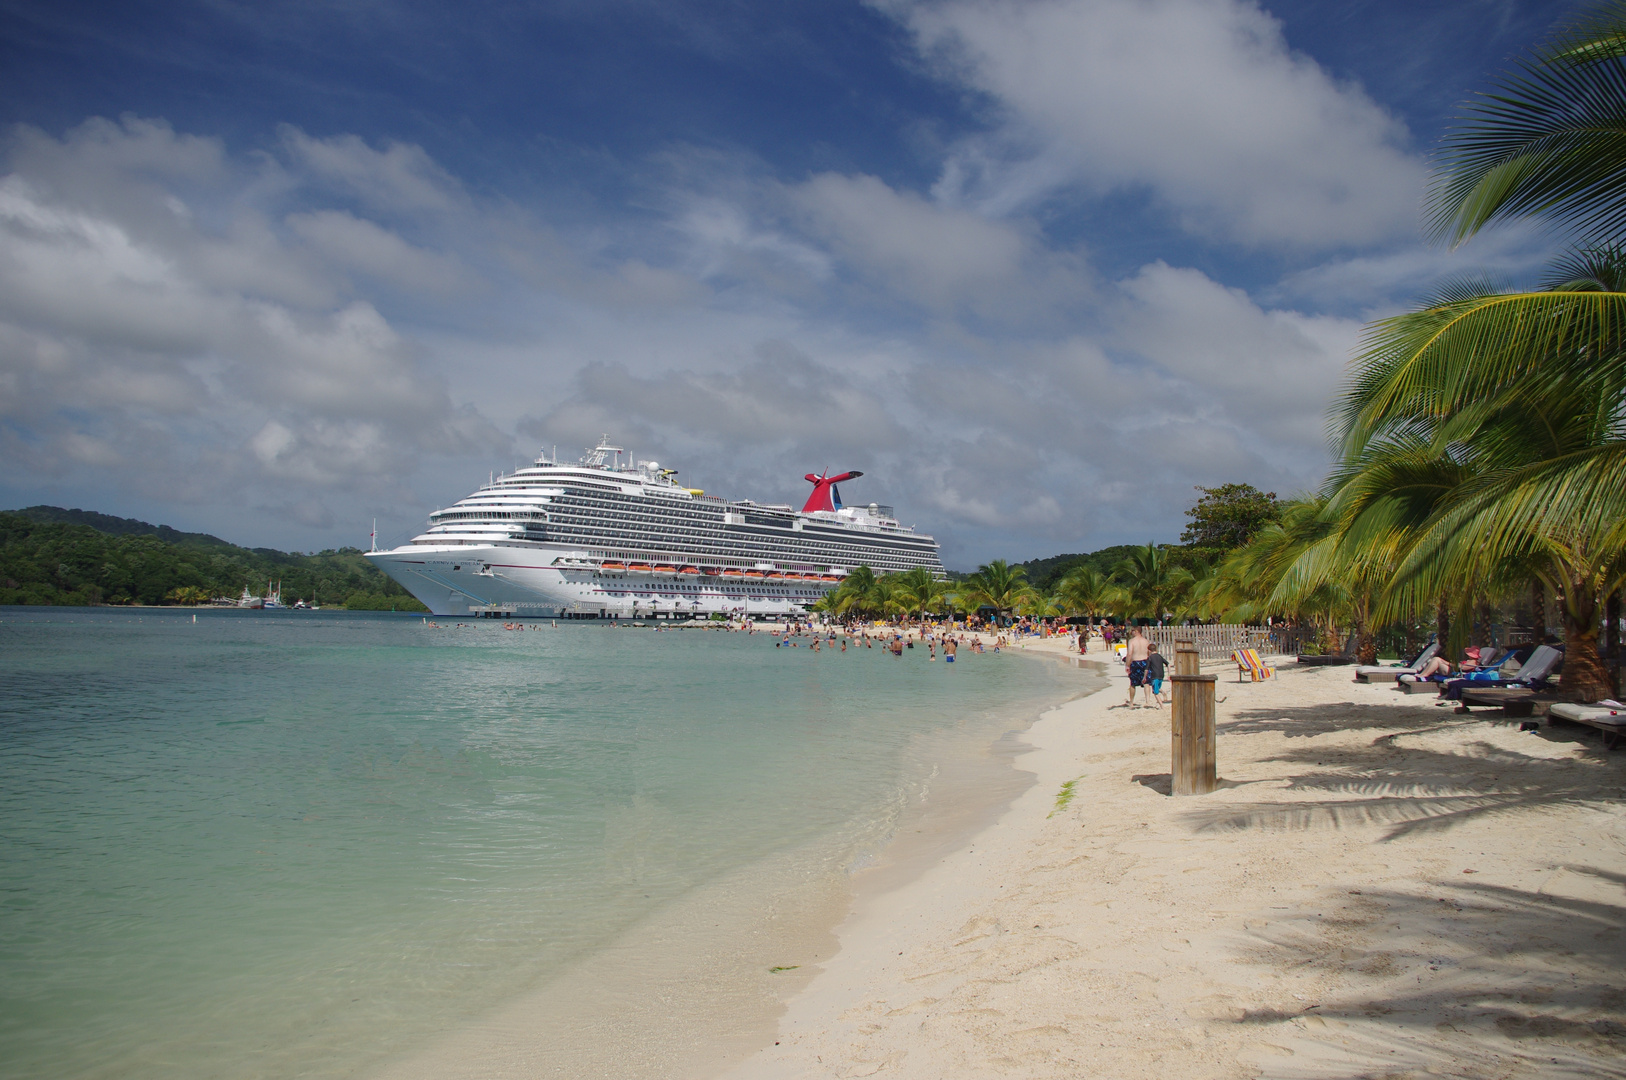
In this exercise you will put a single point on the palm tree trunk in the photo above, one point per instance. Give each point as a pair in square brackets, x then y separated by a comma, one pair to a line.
[1538, 611]
[1366, 642]
[1586, 678]
[1611, 638]
[1442, 624]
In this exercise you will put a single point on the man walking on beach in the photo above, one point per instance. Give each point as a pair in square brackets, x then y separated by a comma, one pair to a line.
[1135, 655]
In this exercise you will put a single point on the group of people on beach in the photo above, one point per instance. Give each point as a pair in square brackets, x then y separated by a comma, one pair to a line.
[892, 639]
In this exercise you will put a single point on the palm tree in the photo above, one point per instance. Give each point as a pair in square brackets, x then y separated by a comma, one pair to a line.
[1035, 603]
[1515, 401]
[857, 593]
[1152, 585]
[997, 585]
[918, 589]
[1549, 142]
[1528, 460]
[1084, 590]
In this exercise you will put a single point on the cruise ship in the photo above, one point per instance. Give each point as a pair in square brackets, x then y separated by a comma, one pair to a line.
[610, 537]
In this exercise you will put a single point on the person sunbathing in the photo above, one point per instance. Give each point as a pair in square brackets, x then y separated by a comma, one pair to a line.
[1435, 666]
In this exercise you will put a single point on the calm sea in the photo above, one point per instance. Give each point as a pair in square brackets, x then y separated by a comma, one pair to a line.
[286, 844]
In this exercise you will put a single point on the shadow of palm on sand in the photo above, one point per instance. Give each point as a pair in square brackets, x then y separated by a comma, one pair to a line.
[1470, 976]
[1414, 789]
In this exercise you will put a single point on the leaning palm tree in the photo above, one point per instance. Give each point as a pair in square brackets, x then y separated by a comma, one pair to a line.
[997, 585]
[1531, 458]
[1522, 392]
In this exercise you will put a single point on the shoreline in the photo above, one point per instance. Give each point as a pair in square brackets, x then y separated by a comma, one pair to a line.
[1379, 887]
[702, 984]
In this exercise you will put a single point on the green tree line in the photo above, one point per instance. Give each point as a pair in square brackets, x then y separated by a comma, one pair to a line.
[50, 556]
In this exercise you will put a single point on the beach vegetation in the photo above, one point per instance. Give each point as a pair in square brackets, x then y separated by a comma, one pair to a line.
[1065, 796]
[1225, 518]
[1152, 586]
[916, 592]
[1087, 591]
[998, 585]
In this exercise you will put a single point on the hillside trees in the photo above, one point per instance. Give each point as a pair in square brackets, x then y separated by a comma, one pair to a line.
[53, 562]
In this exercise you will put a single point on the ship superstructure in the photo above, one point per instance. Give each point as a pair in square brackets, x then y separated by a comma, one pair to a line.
[608, 536]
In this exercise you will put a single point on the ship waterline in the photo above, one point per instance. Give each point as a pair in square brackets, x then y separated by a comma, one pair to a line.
[612, 538]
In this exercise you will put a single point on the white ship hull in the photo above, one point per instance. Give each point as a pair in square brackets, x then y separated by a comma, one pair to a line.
[469, 580]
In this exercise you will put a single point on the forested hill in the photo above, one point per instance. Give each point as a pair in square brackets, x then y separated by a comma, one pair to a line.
[49, 555]
[117, 526]
[1044, 573]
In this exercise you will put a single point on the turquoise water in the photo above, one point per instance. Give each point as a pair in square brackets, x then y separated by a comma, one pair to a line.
[282, 844]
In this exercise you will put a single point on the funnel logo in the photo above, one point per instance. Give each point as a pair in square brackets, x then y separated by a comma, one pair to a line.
[826, 496]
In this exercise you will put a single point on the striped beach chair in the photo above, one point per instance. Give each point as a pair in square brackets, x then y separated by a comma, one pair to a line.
[1249, 664]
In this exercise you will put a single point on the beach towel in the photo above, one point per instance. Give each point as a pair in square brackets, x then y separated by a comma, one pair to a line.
[1248, 662]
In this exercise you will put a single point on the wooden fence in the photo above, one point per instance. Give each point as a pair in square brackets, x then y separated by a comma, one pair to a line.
[1214, 642]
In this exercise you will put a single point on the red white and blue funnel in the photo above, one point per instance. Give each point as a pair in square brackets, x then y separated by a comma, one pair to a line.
[826, 496]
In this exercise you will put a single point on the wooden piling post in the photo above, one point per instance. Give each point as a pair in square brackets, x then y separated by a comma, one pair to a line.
[1192, 762]
[1185, 656]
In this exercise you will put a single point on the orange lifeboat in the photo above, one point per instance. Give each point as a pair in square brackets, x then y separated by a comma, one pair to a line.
[733, 573]
[693, 571]
[712, 571]
[775, 575]
[753, 573]
[612, 566]
[828, 577]
[640, 567]
[660, 569]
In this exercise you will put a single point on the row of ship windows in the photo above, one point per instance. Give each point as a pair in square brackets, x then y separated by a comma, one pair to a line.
[594, 537]
[488, 515]
[819, 537]
[735, 548]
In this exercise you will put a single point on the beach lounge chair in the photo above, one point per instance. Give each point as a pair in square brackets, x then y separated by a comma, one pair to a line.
[1533, 673]
[1248, 662]
[1512, 700]
[1490, 658]
[1347, 656]
[1378, 673]
[1608, 716]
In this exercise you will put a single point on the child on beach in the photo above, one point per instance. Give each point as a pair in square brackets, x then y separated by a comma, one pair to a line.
[1155, 668]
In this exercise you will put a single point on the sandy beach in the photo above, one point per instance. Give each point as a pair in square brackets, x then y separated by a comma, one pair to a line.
[1380, 887]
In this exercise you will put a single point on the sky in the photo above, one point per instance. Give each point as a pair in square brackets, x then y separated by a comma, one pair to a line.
[1038, 269]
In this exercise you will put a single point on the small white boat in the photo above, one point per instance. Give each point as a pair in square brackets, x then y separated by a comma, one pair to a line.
[273, 598]
[248, 600]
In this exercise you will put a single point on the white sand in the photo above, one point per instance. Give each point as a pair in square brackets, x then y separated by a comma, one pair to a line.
[1381, 888]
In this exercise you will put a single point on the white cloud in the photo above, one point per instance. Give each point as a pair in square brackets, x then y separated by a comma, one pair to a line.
[935, 255]
[357, 244]
[1273, 372]
[399, 178]
[1199, 101]
[160, 333]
